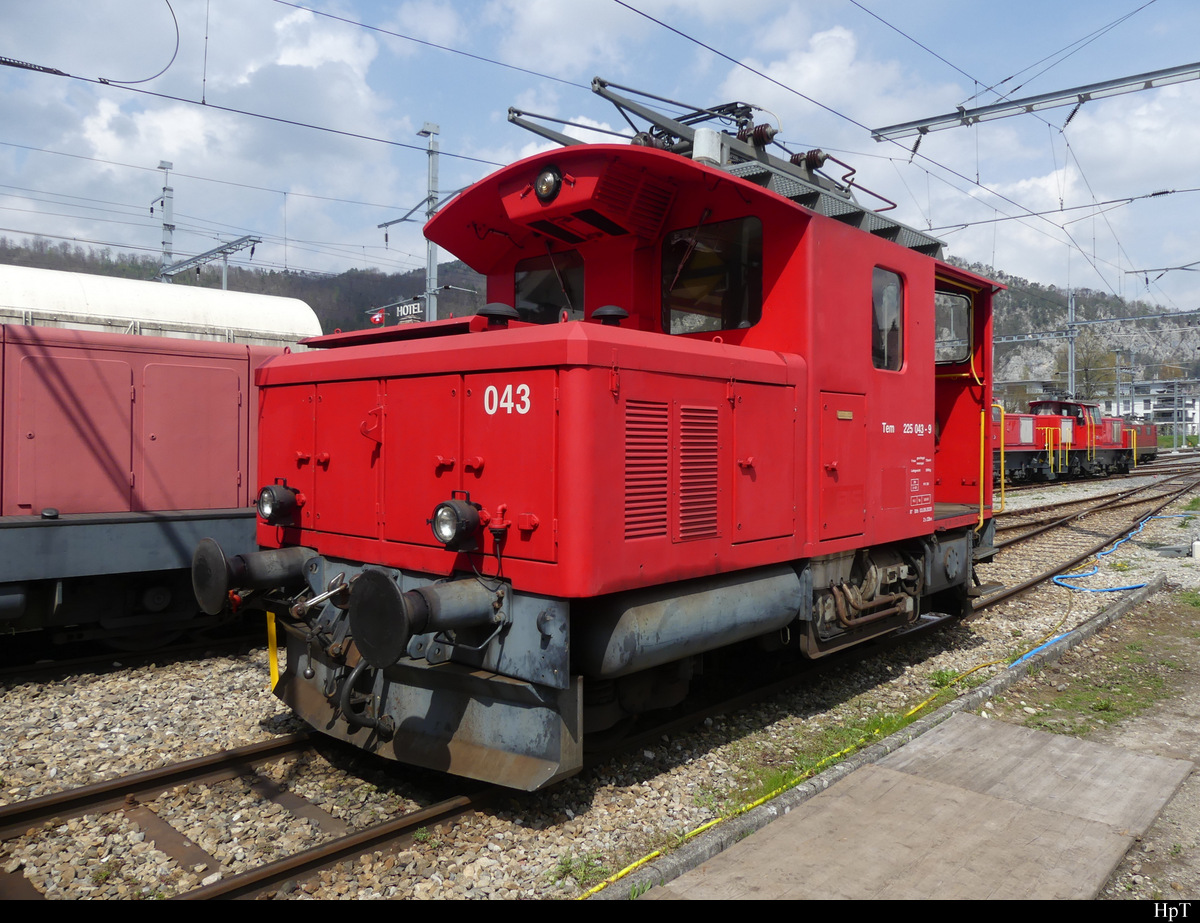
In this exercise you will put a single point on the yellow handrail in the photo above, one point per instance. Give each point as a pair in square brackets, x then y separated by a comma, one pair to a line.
[983, 430]
[1003, 467]
[1053, 435]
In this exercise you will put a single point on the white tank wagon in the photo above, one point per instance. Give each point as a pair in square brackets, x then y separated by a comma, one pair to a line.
[80, 301]
[119, 453]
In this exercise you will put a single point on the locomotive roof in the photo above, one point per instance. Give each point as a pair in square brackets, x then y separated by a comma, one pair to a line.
[729, 132]
[478, 228]
[826, 202]
[1063, 400]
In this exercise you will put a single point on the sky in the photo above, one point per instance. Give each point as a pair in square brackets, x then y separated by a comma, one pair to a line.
[79, 154]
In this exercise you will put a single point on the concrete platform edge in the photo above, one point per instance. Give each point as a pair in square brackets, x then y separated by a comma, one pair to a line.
[700, 850]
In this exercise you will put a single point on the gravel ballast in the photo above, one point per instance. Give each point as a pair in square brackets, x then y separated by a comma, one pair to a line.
[86, 728]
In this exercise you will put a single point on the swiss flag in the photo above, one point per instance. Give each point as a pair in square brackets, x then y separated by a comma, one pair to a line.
[377, 317]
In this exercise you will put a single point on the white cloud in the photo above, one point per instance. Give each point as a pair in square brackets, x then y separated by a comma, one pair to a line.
[427, 20]
[1143, 139]
[265, 57]
[172, 132]
[303, 42]
[827, 67]
[572, 39]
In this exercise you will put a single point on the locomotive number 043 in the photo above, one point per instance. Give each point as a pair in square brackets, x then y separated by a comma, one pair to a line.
[495, 400]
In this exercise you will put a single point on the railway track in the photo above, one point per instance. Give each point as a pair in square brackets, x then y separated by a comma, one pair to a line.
[266, 879]
[137, 798]
[1068, 540]
[125, 791]
[1161, 466]
[1032, 520]
[132, 795]
[610, 802]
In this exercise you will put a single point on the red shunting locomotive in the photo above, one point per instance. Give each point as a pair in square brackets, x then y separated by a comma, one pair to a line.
[1061, 438]
[710, 400]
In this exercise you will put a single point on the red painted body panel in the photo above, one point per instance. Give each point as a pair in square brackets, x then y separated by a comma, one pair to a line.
[346, 458]
[431, 464]
[1143, 437]
[286, 439]
[1080, 425]
[1020, 431]
[637, 458]
[574, 431]
[843, 470]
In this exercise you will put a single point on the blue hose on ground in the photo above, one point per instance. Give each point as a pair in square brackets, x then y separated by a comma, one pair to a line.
[1061, 581]
[1029, 654]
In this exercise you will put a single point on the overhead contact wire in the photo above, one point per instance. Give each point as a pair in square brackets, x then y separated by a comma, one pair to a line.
[246, 112]
[428, 44]
[174, 55]
[783, 86]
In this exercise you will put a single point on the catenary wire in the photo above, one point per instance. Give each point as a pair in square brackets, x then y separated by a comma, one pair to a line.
[428, 44]
[1072, 48]
[280, 120]
[174, 55]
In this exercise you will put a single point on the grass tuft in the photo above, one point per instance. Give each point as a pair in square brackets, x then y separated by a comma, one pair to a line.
[585, 870]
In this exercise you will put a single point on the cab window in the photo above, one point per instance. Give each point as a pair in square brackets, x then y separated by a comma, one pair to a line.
[548, 285]
[952, 320]
[712, 276]
[887, 320]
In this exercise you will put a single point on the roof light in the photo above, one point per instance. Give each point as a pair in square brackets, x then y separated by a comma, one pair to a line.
[547, 185]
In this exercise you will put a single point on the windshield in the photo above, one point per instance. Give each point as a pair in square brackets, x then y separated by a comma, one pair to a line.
[548, 285]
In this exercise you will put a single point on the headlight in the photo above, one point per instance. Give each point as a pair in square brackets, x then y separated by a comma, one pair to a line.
[547, 184]
[276, 503]
[455, 523]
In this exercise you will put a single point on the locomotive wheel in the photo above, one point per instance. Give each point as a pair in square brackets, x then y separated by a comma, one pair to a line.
[597, 741]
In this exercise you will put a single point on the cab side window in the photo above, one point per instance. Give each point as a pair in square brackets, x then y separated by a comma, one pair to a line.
[887, 320]
[952, 327]
[712, 276]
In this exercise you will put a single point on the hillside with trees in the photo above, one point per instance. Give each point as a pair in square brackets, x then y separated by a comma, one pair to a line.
[343, 301]
[1155, 349]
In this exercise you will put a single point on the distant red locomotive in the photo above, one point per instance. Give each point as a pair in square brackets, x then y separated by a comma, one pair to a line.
[1069, 439]
[1142, 440]
[707, 403]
